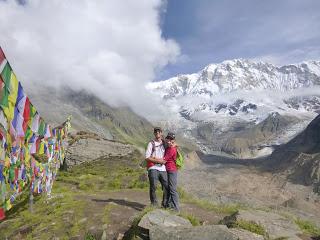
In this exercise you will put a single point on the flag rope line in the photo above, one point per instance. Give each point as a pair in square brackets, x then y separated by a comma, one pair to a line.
[24, 136]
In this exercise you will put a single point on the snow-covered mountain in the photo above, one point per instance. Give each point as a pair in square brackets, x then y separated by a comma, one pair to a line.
[240, 92]
[239, 74]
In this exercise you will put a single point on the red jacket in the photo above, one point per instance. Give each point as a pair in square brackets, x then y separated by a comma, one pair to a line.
[170, 156]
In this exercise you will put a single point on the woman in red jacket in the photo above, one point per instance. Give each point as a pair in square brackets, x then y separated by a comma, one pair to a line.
[170, 157]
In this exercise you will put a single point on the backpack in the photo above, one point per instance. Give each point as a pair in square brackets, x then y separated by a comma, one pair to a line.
[144, 162]
[180, 159]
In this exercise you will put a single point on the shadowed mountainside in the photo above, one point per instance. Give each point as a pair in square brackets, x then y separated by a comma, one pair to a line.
[91, 114]
[300, 157]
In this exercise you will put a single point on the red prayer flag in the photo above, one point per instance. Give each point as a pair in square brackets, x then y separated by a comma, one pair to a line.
[38, 144]
[1, 86]
[26, 114]
[1, 83]
[2, 215]
[2, 56]
[16, 174]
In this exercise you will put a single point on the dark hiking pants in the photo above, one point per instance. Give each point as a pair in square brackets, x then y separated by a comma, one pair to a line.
[155, 176]
[173, 196]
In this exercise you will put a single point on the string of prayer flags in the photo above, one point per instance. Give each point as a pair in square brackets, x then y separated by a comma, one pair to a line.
[23, 135]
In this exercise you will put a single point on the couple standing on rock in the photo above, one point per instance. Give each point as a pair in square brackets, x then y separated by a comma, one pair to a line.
[161, 155]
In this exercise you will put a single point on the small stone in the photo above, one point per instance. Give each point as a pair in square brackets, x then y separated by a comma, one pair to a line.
[83, 220]
[77, 237]
[25, 229]
[104, 236]
[120, 236]
[105, 226]
[96, 232]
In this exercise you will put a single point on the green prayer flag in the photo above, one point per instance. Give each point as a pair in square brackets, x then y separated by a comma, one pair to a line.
[33, 111]
[6, 75]
[42, 126]
[4, 97]
[11, 173]
[28, 134]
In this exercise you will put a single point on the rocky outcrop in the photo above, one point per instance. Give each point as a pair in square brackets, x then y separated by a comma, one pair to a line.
[214, 232]
[306, 169]
[274, 225]
[162, 225]
[86, 147]
[211, 232]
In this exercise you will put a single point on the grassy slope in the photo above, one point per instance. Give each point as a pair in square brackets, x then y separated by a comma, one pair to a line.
[61, 215]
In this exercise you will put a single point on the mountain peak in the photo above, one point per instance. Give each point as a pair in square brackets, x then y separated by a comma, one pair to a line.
[239, 74]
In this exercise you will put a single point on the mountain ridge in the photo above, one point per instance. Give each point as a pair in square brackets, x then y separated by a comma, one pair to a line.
[241, 74]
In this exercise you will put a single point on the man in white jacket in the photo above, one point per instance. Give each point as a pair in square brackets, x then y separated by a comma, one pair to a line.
[156, 167]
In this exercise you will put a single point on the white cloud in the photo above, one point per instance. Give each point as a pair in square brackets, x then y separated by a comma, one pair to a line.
[291, 57]
[111, 48]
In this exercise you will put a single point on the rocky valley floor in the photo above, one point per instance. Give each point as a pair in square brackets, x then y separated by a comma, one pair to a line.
[228, 181]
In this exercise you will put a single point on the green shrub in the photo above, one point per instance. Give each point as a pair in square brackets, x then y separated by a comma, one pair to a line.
[193, 219]
[250, 226]
[115, 184]
[308, 227]
[89, 236]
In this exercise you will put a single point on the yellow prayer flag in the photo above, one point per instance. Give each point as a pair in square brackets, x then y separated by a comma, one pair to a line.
[7, 161]
[14, 85]
[27, 157]
[9, 140]
[41, 148]
[13, 89]
[8, 205]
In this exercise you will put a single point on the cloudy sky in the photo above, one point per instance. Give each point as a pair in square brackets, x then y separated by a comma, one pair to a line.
[278, 31]
[113, 48]
[110, 48]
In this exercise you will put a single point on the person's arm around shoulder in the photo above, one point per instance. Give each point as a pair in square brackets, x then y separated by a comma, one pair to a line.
[149, 156]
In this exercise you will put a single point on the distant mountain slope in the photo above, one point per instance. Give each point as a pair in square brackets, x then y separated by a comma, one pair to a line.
[123, 123]
[300, 157]
[91, 114]
[247, 143]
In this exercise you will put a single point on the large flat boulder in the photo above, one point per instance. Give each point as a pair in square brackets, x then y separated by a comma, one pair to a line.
[89, 147]
[162, 219]
[209, 232]
[162, 225]
[275, 225]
